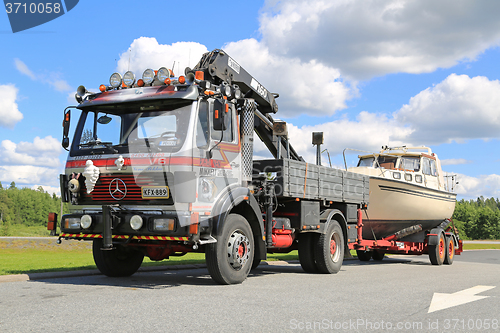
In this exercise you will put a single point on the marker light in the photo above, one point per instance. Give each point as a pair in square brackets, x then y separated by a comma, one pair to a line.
[199, 75]
[102, 88]
[167, 81]
[148, 76]
[163, 74]
[140, 83]
[129, 79]
[115, 80]
[136, 222]
[226, 90]
[86, 221]
[182, 79]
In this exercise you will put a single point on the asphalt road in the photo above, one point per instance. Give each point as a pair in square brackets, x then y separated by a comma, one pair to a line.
[394, 295]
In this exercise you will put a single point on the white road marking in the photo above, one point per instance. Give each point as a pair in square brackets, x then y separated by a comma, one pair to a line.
[442, 301]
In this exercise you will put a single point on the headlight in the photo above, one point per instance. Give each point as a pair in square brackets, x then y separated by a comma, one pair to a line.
[72, 223]
[136, 222]
[163, 224]
[129, 79]
[115, 80]
[86, 221]
[148, 76]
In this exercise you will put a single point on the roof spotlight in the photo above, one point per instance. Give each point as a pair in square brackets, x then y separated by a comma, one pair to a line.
[115, 80]
[129, 79]
[148, 76]
[163, 74]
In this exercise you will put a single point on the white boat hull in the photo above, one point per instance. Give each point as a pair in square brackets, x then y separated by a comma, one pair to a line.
[396, 205]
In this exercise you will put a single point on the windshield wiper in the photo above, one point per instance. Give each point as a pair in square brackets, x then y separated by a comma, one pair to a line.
[91, 144]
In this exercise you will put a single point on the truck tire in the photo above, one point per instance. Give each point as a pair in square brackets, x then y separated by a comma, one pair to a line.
[230, 259]
[307, 241]
[121, 261]
[450, 251]
[377, 255]
[437, 253]
[364, 255]
[329, 249]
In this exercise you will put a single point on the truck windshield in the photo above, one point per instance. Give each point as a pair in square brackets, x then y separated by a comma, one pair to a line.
[143, 131]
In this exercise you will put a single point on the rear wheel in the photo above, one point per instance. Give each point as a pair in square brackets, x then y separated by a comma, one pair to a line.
[306, 252]
[450, 251]
[364, 255]
[329, 249]
[121, 261]
[230, 259]
[377, 255]
[437, 253]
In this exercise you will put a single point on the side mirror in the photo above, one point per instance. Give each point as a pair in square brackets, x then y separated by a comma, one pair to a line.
[219, 112]
[66, 123]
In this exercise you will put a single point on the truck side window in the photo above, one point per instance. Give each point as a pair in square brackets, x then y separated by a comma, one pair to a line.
[202, 125]
[228, 133]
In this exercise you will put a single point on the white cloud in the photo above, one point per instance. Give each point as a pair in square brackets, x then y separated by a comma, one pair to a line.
[41, 152]
[474, 187]
[376, 37]
[307, 87]
[455, 161]
[28, 163]
[457, 109]
[9, 112]
[52, 79]
[21, 66]
[146, 52]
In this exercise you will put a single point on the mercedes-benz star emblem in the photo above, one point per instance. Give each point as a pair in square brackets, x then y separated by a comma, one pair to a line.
[117, 189]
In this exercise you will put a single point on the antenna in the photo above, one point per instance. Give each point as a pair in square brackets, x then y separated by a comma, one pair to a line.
[129, 52]
[173, 65]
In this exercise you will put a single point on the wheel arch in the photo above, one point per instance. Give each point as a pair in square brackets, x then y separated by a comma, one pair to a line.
[338, 216]
[239, 200]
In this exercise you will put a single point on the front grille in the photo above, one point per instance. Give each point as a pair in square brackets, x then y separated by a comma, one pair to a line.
[102, 193]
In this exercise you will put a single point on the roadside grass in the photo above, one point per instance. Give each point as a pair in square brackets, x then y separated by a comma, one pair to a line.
[28, 256]
[21, 230]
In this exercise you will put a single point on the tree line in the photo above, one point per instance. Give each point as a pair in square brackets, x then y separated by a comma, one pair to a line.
[478, 219]
[474, 219]
[26, 207]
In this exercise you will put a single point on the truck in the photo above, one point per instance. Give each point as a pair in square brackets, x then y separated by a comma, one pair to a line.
[164, 165]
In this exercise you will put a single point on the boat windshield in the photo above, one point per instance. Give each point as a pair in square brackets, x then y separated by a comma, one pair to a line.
[387, 162]
[410, 163]
[366, 161]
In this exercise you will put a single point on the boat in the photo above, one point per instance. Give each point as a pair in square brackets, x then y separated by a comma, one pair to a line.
[408, 193]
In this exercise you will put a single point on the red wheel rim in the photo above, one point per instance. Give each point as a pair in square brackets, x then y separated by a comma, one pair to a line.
[441, 247]
[333, 246]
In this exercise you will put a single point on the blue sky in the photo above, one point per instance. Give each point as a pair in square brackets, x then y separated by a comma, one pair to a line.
[367, 73]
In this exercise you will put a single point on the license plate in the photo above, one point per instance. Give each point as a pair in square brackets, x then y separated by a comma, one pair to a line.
[154, 192]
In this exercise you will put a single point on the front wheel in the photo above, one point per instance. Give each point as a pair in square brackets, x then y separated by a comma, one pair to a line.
[120, 261]
[329, 250]
[307, 241]
[230, 259]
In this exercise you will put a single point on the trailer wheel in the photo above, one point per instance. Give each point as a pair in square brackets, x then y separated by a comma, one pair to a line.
[329, 250]
[450, 251]
[121, 261]
[437, 253]
[377, 255]
[230, 259]
[307, 242]
[364, 255]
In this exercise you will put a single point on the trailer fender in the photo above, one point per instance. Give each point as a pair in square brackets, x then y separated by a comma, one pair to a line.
[239, 200]
[434, 235]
